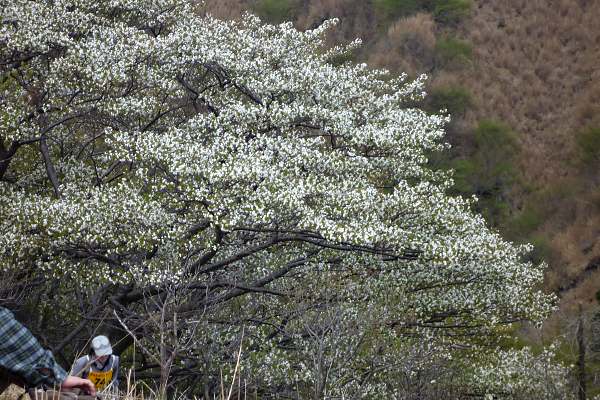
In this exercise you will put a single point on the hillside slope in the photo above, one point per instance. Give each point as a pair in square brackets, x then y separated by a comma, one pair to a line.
[536, 68]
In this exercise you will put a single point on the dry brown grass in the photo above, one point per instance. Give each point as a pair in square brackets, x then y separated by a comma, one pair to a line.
[536, 68]
[408, 45]
[587, 109]
[532, 72]
[354, 21]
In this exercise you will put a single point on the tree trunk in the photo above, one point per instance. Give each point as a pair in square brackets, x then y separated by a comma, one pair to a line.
[581, 358]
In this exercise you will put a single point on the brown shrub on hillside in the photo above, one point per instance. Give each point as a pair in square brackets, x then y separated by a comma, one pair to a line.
[354, 22]
[407, 46]
[587, 108]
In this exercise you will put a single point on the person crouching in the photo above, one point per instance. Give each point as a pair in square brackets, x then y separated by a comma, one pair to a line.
[100, 366]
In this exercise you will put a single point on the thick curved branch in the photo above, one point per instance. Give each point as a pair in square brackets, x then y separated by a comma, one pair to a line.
[243, 289]
[239, 256]
[266, 279]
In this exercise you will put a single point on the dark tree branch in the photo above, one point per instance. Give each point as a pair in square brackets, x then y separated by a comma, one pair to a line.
[265, 280]
[245, 287]
[239, 256]
[219, 235]
[49, 166]
[195, 95]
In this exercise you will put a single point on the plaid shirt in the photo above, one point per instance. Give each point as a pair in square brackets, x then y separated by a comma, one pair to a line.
[21, 354]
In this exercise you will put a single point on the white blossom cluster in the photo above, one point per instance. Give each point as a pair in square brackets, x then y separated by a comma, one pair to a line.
[522, 374]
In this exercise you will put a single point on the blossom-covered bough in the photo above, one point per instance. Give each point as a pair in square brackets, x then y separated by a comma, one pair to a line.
[145, 147]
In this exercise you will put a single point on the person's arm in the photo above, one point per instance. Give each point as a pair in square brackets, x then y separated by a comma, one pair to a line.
[79, 367]
[86, 385]
[21, 354]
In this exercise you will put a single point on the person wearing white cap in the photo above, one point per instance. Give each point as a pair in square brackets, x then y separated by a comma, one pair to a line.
[101, 366]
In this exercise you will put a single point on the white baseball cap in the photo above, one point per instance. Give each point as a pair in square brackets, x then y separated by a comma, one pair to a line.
[101, 346]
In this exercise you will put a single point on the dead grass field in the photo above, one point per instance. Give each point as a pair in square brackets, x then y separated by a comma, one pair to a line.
[536, 68]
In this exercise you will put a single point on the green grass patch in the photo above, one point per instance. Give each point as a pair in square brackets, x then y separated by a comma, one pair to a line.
[344, 58]
[525, 222]
[495, 138]
[451, 11]
[275, 11]
[588, 143]
[542, 250]
[452, 50]
[489, 171]
[395, 8]
[455, 99]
